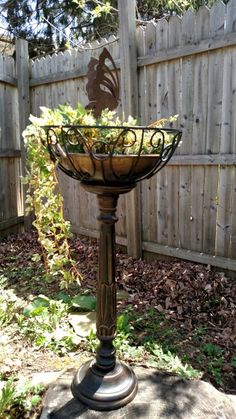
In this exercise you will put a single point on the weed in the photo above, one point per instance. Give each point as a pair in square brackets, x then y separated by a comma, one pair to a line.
[18, 398]
[165, 360]
[214, 368]
[210, 349]
[92, 341]
[44, 323]
[211, 303]
[124, 342]
[214, 361]
[233, 361]
[199, 333]
[9, 306]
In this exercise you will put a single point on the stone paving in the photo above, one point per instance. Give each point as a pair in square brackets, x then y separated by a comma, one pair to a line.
[160, 396]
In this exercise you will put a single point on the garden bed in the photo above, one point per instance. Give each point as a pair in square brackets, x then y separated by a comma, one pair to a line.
[176, 316]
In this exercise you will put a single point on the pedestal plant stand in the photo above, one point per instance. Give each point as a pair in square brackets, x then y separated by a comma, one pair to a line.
[107, 169]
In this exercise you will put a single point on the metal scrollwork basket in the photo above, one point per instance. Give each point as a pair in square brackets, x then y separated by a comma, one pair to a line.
[111, 155]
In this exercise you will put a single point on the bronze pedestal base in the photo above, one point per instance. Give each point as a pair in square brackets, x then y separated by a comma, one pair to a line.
[102, 390]
[106, 383]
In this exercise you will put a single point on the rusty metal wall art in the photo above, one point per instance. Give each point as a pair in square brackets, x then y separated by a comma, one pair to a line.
[103, 84]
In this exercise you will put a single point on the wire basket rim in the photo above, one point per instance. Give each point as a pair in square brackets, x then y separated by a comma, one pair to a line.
[124, 127]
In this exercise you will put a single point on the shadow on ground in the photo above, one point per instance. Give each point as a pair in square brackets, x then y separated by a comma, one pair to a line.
[160, 395]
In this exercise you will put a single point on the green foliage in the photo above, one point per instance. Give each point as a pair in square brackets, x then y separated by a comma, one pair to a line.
[233, 361]
[92, 341]
[210, 349]
[161, 355]
[44, 323]
[214, 368]
[10, 305]
[44, 197]
[84, 302]
[199, 333]
[214, 362]
[18, 398]
[166, 360]
[7, 396]
[79, 302]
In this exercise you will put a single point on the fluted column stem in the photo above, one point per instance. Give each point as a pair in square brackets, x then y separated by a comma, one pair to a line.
[106, 287]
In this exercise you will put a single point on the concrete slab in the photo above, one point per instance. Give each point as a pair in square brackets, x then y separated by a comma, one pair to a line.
[83, 323]
[44, 378]
[160, 396]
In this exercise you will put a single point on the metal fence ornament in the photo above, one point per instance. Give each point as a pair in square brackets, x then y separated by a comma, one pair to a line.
[103, 84]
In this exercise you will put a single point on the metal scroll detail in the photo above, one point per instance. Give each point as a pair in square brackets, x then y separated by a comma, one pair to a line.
[103, 84]
[97, 161]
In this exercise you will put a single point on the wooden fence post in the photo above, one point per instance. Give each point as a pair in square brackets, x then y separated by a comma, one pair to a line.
[129, 98]
[22, 66]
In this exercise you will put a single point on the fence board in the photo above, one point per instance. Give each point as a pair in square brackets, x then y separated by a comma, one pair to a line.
[197, 199]
[150, 102]
[185, 192]
[215, 85]
[160, 197]
[146, 220]
[174, 94]
[199, 129]
[200, 93]
[223, 227]
[232, 252]
[210, 208]
[11, 200]
[214, 113]
[230, 21]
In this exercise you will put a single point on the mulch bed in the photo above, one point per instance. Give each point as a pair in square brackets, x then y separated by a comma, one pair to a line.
[187, 295]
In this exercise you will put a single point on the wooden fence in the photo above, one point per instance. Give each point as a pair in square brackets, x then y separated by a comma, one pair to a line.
[11, 198]
[186, 67]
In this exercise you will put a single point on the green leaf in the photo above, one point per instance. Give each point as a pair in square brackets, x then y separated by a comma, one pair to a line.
[36, 257]
[80, 109]
[40, 341]
[233, 361]
[84, 302]
[35, 400]
[211, 349]
[36, 307]
[123, 324]
[61, 296]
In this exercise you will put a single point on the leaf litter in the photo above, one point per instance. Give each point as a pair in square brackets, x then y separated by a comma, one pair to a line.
[195, 300]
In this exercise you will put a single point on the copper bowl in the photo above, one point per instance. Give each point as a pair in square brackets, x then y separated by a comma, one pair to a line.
[102, 168]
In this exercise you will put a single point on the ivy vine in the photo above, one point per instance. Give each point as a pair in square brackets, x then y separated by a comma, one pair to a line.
[45, 199]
